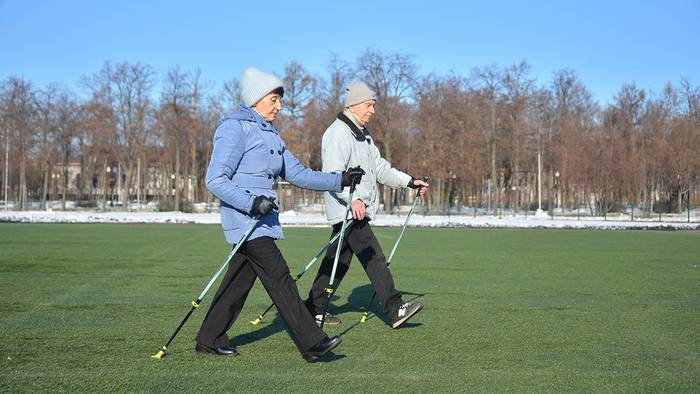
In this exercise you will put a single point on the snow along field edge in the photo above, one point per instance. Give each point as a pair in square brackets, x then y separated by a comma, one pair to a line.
[318, 220]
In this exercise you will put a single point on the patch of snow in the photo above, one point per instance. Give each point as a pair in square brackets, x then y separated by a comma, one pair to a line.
[294, 218]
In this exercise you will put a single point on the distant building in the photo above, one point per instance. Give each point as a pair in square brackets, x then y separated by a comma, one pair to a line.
[56, 181]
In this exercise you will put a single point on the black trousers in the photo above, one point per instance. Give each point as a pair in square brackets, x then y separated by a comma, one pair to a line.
[359, 240]
[261, 258]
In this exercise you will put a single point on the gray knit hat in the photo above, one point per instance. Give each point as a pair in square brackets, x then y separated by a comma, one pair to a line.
[255, 84]
[358, 92]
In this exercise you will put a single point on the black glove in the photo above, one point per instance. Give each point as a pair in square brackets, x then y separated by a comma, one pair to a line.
[351, 176]
[412, 184]
[262, 205]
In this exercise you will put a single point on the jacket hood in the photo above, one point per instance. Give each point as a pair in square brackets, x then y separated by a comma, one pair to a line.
[248, 114]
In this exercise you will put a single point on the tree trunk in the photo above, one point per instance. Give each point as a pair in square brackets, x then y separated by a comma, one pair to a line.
[66, 157]
[45, 186]
[176, 203]
[193, 175]
[494, 183]
[105, 186]
[126, 187]
[23, 184]
[81, 182]
[65, 186]
[164, 185]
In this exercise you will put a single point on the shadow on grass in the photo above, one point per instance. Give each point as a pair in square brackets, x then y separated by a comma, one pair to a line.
[277, 325]
[328, 357]
[263, 332]
[357, 302]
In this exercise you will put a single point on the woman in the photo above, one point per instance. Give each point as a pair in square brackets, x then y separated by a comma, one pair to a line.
[248, 155]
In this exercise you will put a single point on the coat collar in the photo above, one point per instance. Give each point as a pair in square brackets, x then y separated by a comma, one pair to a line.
[359, 134]
[263, 123]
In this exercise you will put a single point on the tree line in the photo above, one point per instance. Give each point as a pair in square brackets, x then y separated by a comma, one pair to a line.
[479, 136]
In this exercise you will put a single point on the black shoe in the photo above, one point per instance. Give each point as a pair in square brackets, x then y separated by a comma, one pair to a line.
[323, 347]
[219, 351]
[405, 312]
[329, 321]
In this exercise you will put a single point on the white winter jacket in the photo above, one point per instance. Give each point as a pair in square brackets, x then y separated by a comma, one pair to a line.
[345, 145]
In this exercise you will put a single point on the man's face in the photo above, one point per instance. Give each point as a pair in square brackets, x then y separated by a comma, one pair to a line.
[363, 111]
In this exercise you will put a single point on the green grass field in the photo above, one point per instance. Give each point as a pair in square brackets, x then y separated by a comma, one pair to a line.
[84, 307]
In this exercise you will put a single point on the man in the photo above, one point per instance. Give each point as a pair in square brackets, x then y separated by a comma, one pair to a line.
[346, 144]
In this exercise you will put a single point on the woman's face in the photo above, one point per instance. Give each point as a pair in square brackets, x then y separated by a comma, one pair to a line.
[269, 106]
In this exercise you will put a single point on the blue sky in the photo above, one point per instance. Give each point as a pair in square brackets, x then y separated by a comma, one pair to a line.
[607, 43]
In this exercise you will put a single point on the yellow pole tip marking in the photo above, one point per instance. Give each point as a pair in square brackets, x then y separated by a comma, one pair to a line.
[255, 322]
[158, 355]
[195, 304]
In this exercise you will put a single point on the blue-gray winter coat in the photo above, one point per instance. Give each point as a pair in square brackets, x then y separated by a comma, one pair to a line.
[248, 155]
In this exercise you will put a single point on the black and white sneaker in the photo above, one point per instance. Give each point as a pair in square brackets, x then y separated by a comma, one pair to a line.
[330, 320]
[405, 312]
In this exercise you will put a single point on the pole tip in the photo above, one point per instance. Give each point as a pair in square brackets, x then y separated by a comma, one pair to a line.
[256, 321]
[158, 355]
[363, 318]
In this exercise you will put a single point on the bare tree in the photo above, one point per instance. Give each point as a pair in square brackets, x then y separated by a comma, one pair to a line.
[230, 97]
[300, 88]
[490, 83]
[391, 76]
[476, 134]
[340, 74]
[176, 118]
[95, 139]
[685, 143]
[200, 134]
[517, 94]
[46, 113]
[67, 117]
[572, 118]
[19, 115]
[126, 88]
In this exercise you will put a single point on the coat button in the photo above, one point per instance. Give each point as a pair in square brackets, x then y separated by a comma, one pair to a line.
[279, 152]
[272, 152]
[264, 124]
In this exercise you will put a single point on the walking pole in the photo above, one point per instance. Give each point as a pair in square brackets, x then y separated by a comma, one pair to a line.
[300, 274]
[196, 303]
[365, 314]
[329, 289]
